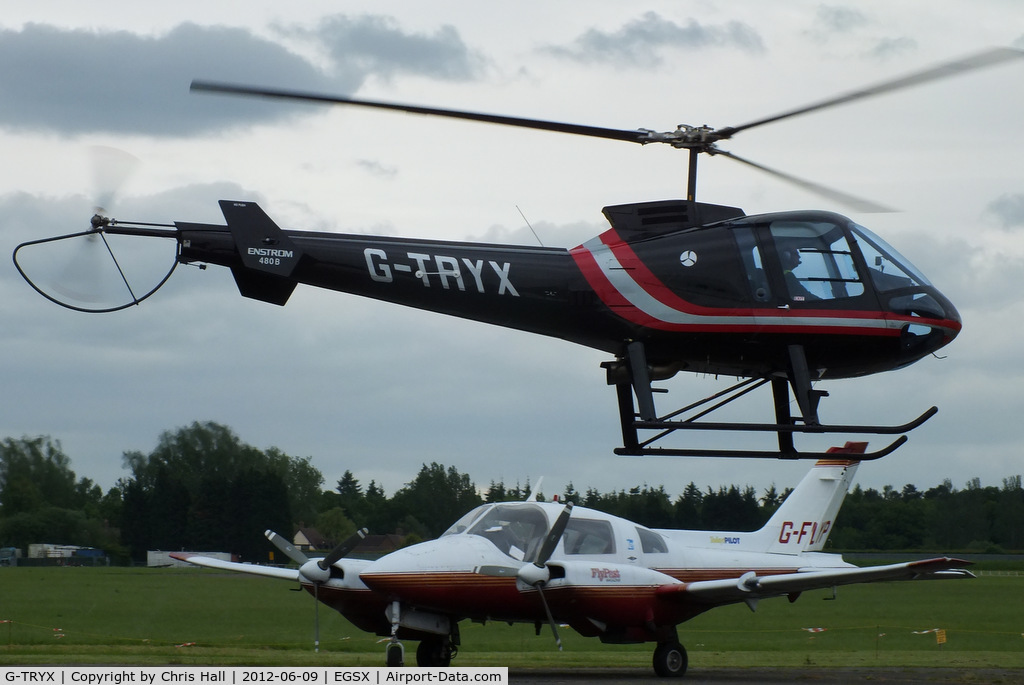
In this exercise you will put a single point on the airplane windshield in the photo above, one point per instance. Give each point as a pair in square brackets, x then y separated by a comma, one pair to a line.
[516, 529]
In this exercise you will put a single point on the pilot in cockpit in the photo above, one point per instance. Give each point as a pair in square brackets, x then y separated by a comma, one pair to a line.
[789, 257]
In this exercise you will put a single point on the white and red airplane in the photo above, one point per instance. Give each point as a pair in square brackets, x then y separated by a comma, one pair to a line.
[604, 576]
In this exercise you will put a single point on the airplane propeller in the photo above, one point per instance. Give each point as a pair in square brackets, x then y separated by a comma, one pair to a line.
[316, 571]
[536, 574]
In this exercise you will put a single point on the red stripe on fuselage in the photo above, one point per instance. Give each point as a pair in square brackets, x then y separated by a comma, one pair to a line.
[788, 320]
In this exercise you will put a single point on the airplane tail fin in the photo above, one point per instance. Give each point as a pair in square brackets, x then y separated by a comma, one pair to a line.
[268, 255]
[804, 520]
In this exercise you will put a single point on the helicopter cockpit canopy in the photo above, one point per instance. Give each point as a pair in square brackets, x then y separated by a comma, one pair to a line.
[823, 259]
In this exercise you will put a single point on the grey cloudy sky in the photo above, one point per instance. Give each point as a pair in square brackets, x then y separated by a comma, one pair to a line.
[380, 389]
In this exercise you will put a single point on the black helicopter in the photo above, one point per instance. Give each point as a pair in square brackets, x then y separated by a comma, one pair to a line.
[784, 299]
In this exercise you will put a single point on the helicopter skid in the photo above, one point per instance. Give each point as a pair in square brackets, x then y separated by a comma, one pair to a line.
[640, 415]
[645, 451]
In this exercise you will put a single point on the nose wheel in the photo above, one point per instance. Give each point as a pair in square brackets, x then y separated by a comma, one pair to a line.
[395, 653]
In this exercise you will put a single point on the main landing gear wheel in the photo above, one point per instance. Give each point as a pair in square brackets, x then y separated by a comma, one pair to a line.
[434, 651]
[670, 660]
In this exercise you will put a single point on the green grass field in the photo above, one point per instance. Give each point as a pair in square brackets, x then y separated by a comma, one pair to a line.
[184, 616]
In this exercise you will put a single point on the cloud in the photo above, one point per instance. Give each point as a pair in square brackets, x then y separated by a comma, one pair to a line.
[639, 42]
[836, 19]
[886, 48]
[1008, 210]
[79, 81]
[376, 168]
[377, 45]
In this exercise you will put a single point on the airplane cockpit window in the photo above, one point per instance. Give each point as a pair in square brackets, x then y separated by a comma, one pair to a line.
[466, 520]
[588, 536]
[651, 542]
[516, 529]
[816, 259]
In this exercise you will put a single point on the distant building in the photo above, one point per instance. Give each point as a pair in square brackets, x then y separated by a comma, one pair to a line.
[9, 556]
[373, 546]
[310, 540]
[49, 554]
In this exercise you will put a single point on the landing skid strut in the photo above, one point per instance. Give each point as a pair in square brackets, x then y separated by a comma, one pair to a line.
[640, 415]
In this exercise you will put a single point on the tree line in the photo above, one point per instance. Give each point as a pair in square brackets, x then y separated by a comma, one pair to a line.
[202, 488]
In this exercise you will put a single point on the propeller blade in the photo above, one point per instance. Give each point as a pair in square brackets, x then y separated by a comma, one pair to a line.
[316, 617]
[551, 619]
[286, 547]
[853, 202]
[497, 571]
[343, 549]
[946, 70]
[553, 536]
[637, 136]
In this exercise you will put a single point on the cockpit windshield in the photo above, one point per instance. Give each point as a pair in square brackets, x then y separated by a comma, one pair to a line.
[517, 529]
[889, 269]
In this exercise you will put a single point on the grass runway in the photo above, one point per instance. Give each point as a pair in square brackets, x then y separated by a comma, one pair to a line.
[141, 616]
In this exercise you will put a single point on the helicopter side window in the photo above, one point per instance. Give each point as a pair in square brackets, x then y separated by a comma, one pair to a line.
[587, 536]
[816, 261]
[750, 253]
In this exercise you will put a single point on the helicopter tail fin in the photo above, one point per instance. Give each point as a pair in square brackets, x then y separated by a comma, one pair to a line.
[268, 255]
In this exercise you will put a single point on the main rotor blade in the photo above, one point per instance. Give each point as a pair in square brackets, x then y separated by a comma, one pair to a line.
[553, 536]
[853, 202]
[343, 549]
[637, 136]
[288, 548]
[948, 69]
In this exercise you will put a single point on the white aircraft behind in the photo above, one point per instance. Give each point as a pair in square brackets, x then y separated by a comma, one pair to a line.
[604, 576]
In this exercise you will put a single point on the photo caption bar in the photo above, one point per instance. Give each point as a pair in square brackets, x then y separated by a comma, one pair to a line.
[241, 675]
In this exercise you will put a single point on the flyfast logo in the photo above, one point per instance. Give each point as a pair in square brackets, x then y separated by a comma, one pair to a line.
[447, 270]
[815, 532]
[605, 574]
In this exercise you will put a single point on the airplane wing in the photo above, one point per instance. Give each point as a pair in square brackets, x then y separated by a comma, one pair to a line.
[751, 587]
[253, 569]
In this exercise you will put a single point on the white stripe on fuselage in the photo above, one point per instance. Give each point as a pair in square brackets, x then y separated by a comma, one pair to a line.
[622, 280]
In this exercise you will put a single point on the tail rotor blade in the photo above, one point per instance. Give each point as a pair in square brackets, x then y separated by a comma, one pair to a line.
[111, 167]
